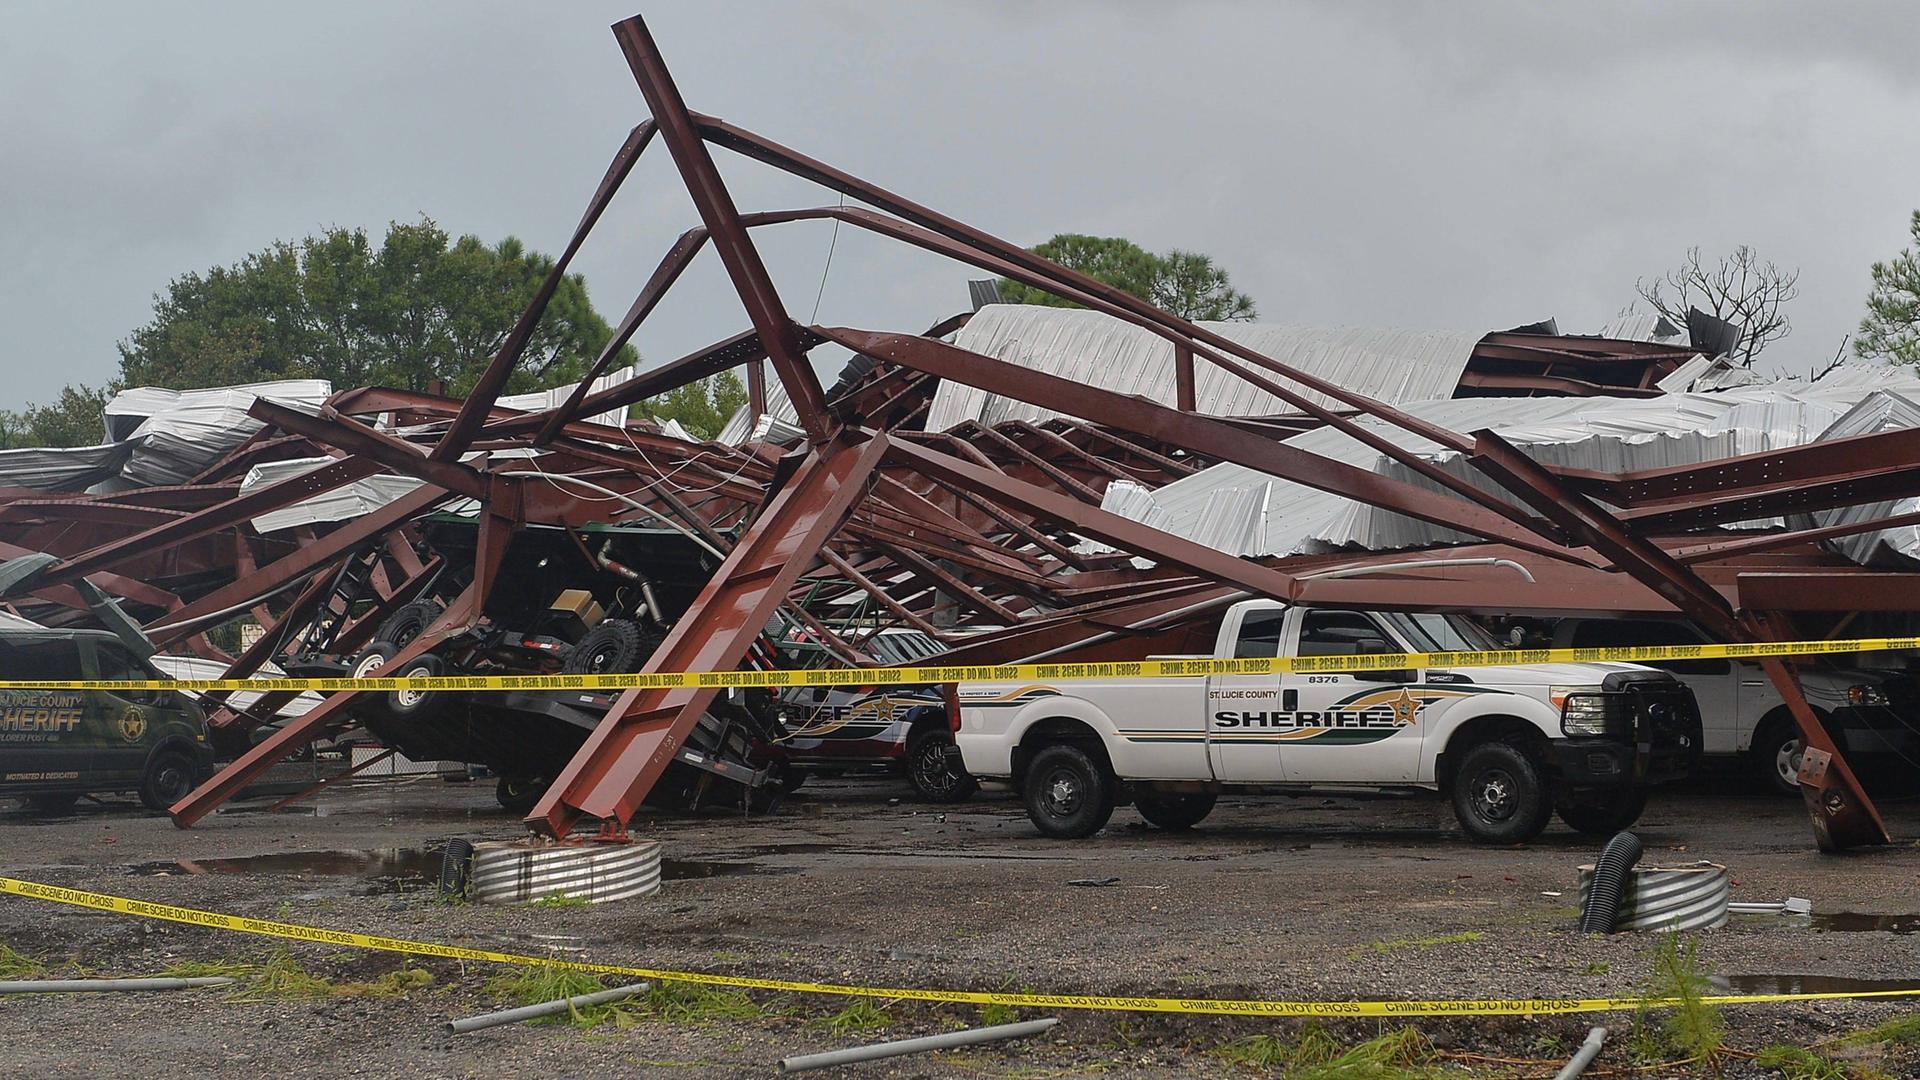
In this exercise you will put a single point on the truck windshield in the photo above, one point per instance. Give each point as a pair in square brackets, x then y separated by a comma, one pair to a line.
[1431, 632]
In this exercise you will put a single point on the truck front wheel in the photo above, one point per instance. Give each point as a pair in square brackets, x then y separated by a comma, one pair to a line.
[1499, 796]
[1602, 813]
[1069, 794]
[1174, 813]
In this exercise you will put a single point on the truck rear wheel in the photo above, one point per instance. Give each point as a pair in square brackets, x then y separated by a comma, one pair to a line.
[1069, 794]
[1602, 813]
[1173, 813]
[1499, 796]
[168, 779]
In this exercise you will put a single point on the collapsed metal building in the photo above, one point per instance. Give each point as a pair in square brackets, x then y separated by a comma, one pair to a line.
[968, 483]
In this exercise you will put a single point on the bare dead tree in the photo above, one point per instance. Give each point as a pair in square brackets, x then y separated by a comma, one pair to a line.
[1839, 357]
[1742, 289]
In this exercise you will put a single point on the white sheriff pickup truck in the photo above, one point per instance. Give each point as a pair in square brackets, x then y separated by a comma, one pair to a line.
[1509, 745]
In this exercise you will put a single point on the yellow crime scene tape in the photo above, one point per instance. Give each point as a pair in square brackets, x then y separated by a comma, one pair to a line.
[913, 676]
[1090, 1002]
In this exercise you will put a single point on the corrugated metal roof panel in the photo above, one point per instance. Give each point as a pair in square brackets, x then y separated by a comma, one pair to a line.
[1612, 434]
[1086, 346]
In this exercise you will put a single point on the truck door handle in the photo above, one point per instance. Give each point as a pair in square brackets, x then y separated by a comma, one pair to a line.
[1289, 699]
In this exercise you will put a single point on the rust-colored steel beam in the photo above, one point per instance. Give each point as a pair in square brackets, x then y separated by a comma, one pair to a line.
[730, 240]
[1057, 279]
[486, 389]
[1184, 335]
[669, 271]
[335, 545]
[625, 755]
[1837, 806]
[1123, 533]
[303, 730]
[225, 515]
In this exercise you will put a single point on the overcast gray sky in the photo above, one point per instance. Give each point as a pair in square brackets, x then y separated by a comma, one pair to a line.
[1458, 165]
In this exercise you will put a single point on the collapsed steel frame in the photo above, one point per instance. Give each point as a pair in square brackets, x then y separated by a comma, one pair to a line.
[937, 530]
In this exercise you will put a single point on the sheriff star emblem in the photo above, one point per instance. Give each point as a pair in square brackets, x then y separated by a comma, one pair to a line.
[1406, 709]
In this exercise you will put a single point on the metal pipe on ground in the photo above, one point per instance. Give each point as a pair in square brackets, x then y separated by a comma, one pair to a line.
[1584, 1056]
[96, 986]
[916, 1046]
[545, 1008]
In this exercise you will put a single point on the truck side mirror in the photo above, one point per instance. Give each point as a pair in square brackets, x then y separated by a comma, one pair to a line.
[1370, 645]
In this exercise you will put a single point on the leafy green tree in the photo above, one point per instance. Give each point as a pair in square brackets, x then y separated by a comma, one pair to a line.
[74, 419]
[420, 306]
[700, 407]
[1891, 330]
[1185, 283]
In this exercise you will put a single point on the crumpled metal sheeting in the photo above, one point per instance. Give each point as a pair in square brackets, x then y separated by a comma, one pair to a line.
[1609, 434]
[343, 503]
[1097, 349]
[1882, 410]
[62, 468]
[541, 400]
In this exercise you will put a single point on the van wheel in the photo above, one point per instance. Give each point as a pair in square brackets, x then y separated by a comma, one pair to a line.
[1069, 794]
[1777, 749]
[934, 769]
[414, 705]
[1174, 813]
[53, 803]
[519, 793]
[1498, 795]
[168, 779]
[1602, 813]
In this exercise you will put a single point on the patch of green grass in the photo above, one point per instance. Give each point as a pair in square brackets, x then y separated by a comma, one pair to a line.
[1313, 1054]
[994, 1014]
[1414, 943]
[1799, 1063]
[1256, 1051]
[689, 1002]
[1395, 1055]
[1597, 967]
[1547, 1044]
[1692, 1029]
[15, 964]
[550, 982]
[561, 900]
[1900, 1031]
[860, 1014]
[282, 976]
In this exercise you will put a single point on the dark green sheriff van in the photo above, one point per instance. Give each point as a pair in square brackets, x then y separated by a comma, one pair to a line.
[57, 745]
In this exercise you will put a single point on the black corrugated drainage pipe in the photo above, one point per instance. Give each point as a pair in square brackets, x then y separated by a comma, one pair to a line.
[1611, 872]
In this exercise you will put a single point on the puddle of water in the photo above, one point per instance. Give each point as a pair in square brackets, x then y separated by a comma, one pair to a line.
[384, 870]
[688, 869]
[1853, 922]
[1812, 984]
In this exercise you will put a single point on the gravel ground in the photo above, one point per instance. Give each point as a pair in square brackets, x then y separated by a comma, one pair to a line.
[1305, 899]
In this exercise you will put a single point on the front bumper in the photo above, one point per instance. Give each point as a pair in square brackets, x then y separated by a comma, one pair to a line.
[1596, 762]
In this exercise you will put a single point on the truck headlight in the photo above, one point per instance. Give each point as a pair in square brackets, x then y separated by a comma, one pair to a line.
[1586, 710]
[1866, 694]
